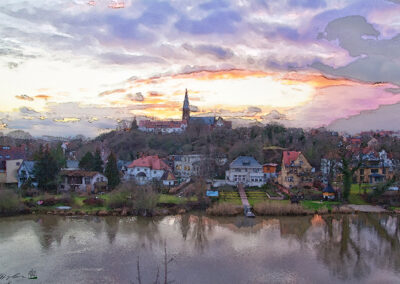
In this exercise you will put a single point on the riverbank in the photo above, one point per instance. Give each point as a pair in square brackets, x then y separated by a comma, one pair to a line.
[113, 204]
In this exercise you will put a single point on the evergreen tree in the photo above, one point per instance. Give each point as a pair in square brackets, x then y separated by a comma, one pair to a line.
[59, 156]
[87, 162]
[134, 124]
[111, 171]
[97, 162]
[46, 170]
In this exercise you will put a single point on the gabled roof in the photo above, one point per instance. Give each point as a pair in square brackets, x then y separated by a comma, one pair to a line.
[329, 189]
[152, 162]
[168, 176]
[29, 166]
[78, 173]
[290, 156]
[245, 162]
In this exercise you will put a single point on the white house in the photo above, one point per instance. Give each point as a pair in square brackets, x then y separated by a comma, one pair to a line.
[147, 169]
[25, 173]
[245, 170]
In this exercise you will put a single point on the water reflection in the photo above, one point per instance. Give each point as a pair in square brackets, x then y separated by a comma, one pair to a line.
[348, 248]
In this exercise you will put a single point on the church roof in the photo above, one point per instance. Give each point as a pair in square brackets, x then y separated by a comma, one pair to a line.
[186, 101]
[208, 120]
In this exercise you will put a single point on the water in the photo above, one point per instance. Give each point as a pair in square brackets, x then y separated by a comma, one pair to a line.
[361, 248]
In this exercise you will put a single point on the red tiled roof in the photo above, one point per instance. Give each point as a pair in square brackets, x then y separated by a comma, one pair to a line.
[152, 162]
[290, 156]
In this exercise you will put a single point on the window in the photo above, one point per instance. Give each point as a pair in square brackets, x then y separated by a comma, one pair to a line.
[290, 179]
[7, 156]
[87, 180]
[18, 163]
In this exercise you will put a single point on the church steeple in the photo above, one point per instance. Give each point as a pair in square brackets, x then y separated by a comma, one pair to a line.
[186, 108]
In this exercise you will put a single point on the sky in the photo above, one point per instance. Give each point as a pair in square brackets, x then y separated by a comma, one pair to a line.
[68, 67]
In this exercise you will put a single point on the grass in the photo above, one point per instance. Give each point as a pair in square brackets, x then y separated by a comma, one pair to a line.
[355, 197]
[280, 209]
[173, 199]
[318, 205]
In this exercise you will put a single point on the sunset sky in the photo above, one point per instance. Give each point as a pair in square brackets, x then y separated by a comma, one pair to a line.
[68, 68]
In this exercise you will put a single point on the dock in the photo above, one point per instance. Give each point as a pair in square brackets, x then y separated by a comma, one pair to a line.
[245, 201]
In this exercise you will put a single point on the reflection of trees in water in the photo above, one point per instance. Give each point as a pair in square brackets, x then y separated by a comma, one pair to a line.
[111, 228]
[49, 231]
[201, 228]
[184, 225]
[353, 245]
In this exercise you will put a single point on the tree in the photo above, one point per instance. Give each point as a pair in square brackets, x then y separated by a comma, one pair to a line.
[97, 162]
[348, 173]
[46, 170]
[59, 156]
[134, 124]
[87, 162]
[111, 171]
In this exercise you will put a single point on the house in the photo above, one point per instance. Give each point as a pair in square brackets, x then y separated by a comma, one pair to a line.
[163, 127]
[168, 179]
[375, 167]
[295, 169]
[26, 173]
[269, 171]
[11, 172]
[82, 181]
[10, 160]
[147, 169]
[246, 170]
[186, 166]
[328, 193]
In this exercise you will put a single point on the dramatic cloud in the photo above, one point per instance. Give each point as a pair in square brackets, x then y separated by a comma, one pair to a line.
[299, 62]
[376, 59]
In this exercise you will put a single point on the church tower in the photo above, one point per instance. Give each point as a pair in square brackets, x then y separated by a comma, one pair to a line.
[186, 108]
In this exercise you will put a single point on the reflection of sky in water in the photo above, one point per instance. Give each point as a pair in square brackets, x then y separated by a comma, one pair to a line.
[353, 249]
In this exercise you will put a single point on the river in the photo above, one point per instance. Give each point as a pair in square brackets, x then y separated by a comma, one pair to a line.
[363, 248]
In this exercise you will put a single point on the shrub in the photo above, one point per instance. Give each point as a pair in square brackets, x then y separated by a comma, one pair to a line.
[94, 202]
[225, 209]
[279, 209]
[9, 202]
[118, 199]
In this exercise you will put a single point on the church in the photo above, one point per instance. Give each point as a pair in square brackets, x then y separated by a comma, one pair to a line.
[173, 126]
[209, 121]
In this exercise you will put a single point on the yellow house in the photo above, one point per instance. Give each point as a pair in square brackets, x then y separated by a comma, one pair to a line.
[12, 167]
[295, 169]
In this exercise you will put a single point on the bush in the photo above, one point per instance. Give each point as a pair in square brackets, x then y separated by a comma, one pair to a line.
[119, 199]
[94, 202]
[279, 209]
[225, 209]
[9, 202]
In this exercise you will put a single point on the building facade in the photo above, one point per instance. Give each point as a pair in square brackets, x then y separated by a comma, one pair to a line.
[375, 167]
[82, 181]
[295, 169]
[147, 169]
[26, 174]
[186, 166]
[246, 170]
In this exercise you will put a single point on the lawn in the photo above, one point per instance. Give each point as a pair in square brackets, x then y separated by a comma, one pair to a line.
[355, 197]
[166, 198]
[317, 205]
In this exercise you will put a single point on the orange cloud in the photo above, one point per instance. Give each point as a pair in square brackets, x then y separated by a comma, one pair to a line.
[43, 97]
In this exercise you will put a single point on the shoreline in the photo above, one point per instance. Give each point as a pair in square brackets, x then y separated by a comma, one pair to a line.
[125, 212]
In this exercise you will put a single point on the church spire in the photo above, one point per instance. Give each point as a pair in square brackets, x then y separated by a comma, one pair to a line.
[186, 108]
